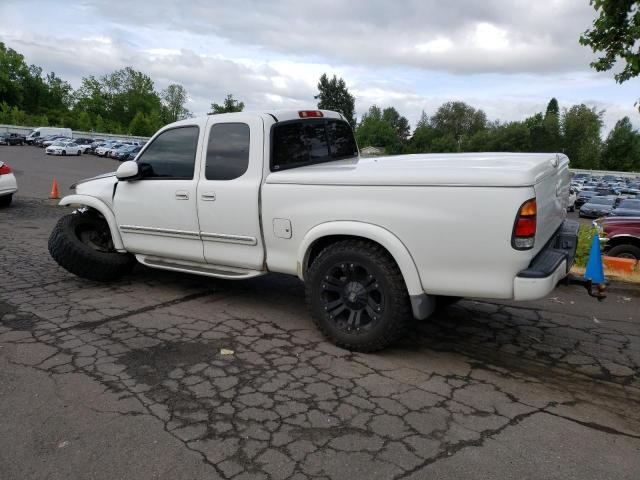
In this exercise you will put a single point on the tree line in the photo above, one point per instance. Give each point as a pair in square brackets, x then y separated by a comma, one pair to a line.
[127, 102]
[458, 127]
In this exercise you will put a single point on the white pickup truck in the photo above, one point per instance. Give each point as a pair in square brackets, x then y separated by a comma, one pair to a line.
[376, 240]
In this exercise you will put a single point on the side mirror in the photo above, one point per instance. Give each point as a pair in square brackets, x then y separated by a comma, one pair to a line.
[127, 171]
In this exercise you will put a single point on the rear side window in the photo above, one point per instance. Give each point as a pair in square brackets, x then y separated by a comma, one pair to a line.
[227, 151]
[306, 142]
[172, 155]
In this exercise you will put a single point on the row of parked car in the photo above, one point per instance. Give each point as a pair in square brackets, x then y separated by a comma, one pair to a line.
[607, 196]
[62, 145]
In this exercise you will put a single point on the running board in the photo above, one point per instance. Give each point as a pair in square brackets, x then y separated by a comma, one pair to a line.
[217, 271]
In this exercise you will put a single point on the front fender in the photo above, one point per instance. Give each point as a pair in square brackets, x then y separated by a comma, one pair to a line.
[371, 232]
[101, 207]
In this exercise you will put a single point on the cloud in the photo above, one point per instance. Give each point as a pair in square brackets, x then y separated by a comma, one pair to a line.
[508, 59]
[462, 37]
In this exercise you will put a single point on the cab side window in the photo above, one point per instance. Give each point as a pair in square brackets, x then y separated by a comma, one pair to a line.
[227, 151]
[172, 155]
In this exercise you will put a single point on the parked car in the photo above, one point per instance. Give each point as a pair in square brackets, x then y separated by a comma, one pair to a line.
[229, 207]
[40, 132]
[627, 208]
[573, 195]
[114, 148]
[8, 185]
[84, 144]
[105, 147]
[121, 153]
[583, 197]
[597, 207]
[11, 139]
[131, 154]
[55, 139]
[623, 236]
[64, 148]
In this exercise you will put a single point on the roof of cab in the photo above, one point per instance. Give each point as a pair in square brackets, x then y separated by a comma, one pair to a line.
[277, 115]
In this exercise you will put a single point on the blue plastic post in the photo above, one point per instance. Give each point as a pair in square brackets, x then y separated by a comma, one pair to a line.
[595, 271]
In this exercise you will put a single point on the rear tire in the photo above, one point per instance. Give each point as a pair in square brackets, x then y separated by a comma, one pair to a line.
[625, 251]
[78, 153]
[357, 296]
[81, 244]
[5, 200]
[64, 153]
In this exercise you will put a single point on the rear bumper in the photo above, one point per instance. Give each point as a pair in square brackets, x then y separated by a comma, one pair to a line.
[550, 266]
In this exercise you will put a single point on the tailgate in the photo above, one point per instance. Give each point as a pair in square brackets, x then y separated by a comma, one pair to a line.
[552, 198]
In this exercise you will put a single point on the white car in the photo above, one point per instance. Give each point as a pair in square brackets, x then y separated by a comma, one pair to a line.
[376, 240]
[64, 148]
[102, 151]
[8, 185]
[573, 196]
[84, 146]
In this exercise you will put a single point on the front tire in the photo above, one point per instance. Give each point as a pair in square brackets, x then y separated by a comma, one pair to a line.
[81, 244]
[357, 296]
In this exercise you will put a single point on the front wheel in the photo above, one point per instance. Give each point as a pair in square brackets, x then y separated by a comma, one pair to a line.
[81, 244]
[357, 296]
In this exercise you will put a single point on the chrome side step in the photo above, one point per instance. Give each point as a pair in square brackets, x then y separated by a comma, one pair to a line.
[217, 271]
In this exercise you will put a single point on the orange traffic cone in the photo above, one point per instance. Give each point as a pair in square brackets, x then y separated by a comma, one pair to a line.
[54, 190]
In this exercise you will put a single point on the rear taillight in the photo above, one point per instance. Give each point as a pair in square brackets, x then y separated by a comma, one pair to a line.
[524, 230]
[310, 114]
[4, 168]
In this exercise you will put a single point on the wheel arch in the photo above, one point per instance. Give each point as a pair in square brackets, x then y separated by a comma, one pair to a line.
[325, 234]
[623, 240]
[104, 210]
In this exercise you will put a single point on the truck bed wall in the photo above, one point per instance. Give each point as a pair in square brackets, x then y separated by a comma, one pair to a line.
[459, 237]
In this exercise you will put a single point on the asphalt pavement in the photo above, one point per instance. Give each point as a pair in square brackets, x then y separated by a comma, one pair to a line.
[165, 375]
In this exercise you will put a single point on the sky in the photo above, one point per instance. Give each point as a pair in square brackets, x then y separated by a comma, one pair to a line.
[505, 57]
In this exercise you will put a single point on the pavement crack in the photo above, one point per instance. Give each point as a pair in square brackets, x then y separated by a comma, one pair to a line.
[169, 303]
[595, 426]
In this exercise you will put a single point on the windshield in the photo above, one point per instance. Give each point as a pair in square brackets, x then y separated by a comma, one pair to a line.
[601, 201]
[634, 204]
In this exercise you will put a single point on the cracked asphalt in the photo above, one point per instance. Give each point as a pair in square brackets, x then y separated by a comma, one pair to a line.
[164, 375]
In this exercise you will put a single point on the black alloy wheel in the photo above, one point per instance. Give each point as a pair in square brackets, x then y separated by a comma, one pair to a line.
[352, 297]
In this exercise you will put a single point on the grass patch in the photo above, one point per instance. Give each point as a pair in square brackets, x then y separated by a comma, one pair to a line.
[585, 237]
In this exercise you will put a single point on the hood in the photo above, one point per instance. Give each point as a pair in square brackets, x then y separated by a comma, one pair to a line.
[626, 212]
[97, 177]
[458, 169]
[597, 206]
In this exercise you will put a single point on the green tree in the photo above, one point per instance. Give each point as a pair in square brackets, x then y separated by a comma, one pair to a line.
[581, 131]
[551, 127]
[373, 130]
[13, 74]
[229, 105]
[399, 123]
[423, 136]
[614, 35]
[141, 125]
[83, 122]
[333, 94]
[457, 120]
[621, 149]
[174, 98]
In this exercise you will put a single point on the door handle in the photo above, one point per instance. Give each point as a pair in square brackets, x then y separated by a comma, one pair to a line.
[182, 195]
[208, 197]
